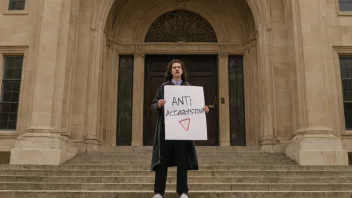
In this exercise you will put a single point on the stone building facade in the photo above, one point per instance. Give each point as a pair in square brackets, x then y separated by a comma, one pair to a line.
[80, 74]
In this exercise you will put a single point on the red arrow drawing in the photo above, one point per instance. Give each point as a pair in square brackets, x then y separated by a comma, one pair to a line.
[185, 123]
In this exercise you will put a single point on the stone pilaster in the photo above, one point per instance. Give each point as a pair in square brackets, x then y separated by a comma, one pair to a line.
[281, 77]
[91, 137]
[114, 81]
[224, 108]
[266, 88]
[251, 95]
[45, 142]
[109, 94]
[138, 98]
[314, 142]
[81, 73]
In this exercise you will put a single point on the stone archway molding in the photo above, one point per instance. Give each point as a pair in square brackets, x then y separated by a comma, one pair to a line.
[262, 22]
[153, 14]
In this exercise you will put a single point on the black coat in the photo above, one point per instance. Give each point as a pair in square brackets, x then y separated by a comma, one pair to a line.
[192, 160]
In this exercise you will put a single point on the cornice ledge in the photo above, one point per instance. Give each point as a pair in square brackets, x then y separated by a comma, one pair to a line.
[343, 49]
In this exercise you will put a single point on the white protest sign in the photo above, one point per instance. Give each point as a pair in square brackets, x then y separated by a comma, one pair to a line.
[184, 115]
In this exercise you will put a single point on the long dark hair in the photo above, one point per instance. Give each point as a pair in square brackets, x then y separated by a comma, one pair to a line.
[168, 75]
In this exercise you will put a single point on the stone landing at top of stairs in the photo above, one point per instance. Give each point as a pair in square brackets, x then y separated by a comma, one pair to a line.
[226, 172]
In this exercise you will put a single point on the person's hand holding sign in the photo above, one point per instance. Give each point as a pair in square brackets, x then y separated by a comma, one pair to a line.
[161, 103]
[206, 109]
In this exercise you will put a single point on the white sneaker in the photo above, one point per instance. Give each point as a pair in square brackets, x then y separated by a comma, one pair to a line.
[158, 196]
[183, 196]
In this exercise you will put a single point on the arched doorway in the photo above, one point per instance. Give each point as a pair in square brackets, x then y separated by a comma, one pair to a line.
[181, 26]
[146, 41]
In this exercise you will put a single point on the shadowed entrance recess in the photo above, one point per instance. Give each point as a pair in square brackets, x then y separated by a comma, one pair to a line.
[202, 71]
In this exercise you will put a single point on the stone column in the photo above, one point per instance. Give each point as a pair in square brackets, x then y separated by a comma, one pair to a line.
[80, 73]
[105, 91]
[314, 142]
[91, 138]
[138, 98]
[266, 87]
[250, 70]
[109, 97]
[114, 59]
[44, 141]
[224, 108]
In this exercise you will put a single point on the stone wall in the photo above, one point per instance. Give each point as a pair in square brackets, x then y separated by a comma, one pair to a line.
[71, 49]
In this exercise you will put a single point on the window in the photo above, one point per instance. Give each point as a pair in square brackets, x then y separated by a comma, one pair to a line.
[17, 4]
[10, 91]
[346, 77]
[345, 5]
[181, 26]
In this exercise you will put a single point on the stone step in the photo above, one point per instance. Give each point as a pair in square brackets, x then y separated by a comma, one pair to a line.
[199, 156]
[217, 158]
[199, 153]
[205, 164]
[172, 194]
[112, 159]
[172, 179]
[229, 158]
[224, 173]
[208, 164]
[201, 162]
[199, 159]
[260, 167]
[216, 162]
[107, 149]
[172, 186]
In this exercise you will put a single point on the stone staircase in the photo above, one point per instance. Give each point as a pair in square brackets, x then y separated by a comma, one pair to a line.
[225, 172]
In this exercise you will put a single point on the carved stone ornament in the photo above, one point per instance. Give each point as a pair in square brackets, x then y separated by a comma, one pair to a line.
[223, 54]
[181, 26]
[139, 54]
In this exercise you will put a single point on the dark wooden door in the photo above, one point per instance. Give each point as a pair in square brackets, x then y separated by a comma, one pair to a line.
[202, 71]
[124, 105]
[237, 111]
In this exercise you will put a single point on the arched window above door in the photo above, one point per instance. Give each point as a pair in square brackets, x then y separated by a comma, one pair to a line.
[181, 26]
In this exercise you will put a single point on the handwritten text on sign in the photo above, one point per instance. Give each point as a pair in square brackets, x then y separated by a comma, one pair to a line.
[184, 115]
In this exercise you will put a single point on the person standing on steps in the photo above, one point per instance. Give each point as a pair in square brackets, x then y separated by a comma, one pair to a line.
[168, 153]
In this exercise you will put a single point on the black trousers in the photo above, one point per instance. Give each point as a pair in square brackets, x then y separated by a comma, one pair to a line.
[177, 149]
